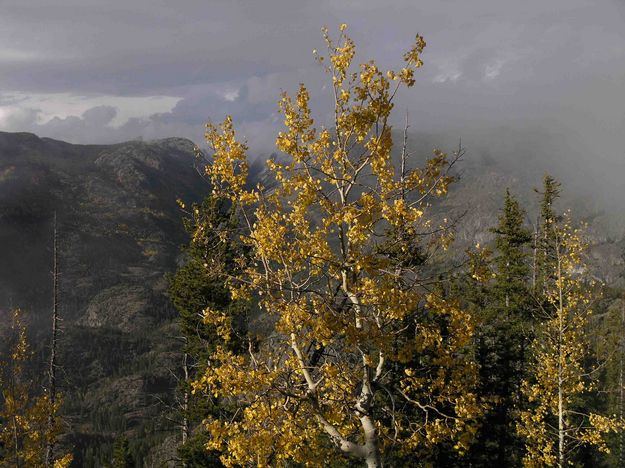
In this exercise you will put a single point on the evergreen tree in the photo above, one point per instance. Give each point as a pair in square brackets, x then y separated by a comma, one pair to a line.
[502, 301]
[609, 337]
[544, 252]
[511, 281]
[200, 285]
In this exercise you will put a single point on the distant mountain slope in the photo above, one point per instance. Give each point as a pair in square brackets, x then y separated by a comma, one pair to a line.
[120, 234]
[117, 212]
[518, 159]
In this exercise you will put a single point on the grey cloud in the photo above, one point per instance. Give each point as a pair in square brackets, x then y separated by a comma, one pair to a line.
[148, 46]
[93, 124]
[24, 119]
[101, 115]
[557, 65]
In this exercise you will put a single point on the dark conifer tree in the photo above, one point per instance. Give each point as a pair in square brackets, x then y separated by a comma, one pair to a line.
[200, 283]
[505, 310]
[512, 240]
[545, 242]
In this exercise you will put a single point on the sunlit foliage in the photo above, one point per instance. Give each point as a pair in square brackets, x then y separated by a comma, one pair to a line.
[24, 430]
[555, 424]
[363, 357]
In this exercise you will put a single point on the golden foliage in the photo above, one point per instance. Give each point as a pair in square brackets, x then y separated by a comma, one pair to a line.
[553, 425]
[360, 358]
[24, 431]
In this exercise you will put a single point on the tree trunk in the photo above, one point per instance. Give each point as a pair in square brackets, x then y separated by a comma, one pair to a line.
[372, 449]
[16, 442]
[373, 460]
[561, 409]
[621, 383]
[185, 403]
[560, 424]
[363, 407]
[534, 255]
[53, 344]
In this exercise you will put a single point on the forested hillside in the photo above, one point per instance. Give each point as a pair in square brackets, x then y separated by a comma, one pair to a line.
[119, 235]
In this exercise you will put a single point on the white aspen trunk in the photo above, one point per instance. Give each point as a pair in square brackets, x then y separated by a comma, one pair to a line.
[561, 458]
[373, 456]
[16, 443]
[561, 324]
[363, 407]
[370, 451]
[371, 445]
[185, 403]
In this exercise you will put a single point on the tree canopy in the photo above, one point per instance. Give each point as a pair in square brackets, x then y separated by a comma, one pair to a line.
[363, 357]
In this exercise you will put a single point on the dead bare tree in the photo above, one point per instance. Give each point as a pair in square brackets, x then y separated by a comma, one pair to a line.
[52, 365]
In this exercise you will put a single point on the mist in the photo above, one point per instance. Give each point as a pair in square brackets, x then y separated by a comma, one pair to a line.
[537, 84]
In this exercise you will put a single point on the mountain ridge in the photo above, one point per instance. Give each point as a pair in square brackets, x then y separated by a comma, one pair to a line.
[120, 234]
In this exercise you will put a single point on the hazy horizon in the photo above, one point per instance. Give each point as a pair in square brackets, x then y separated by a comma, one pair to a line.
[94, 72]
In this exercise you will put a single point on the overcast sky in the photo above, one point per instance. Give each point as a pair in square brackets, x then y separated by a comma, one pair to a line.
[99, 71]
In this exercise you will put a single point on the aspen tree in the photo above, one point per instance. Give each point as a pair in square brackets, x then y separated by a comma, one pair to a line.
[554, 425]
[361, 360]
[24, 430]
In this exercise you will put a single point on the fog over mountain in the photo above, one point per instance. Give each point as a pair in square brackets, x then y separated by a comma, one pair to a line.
[94, 72]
